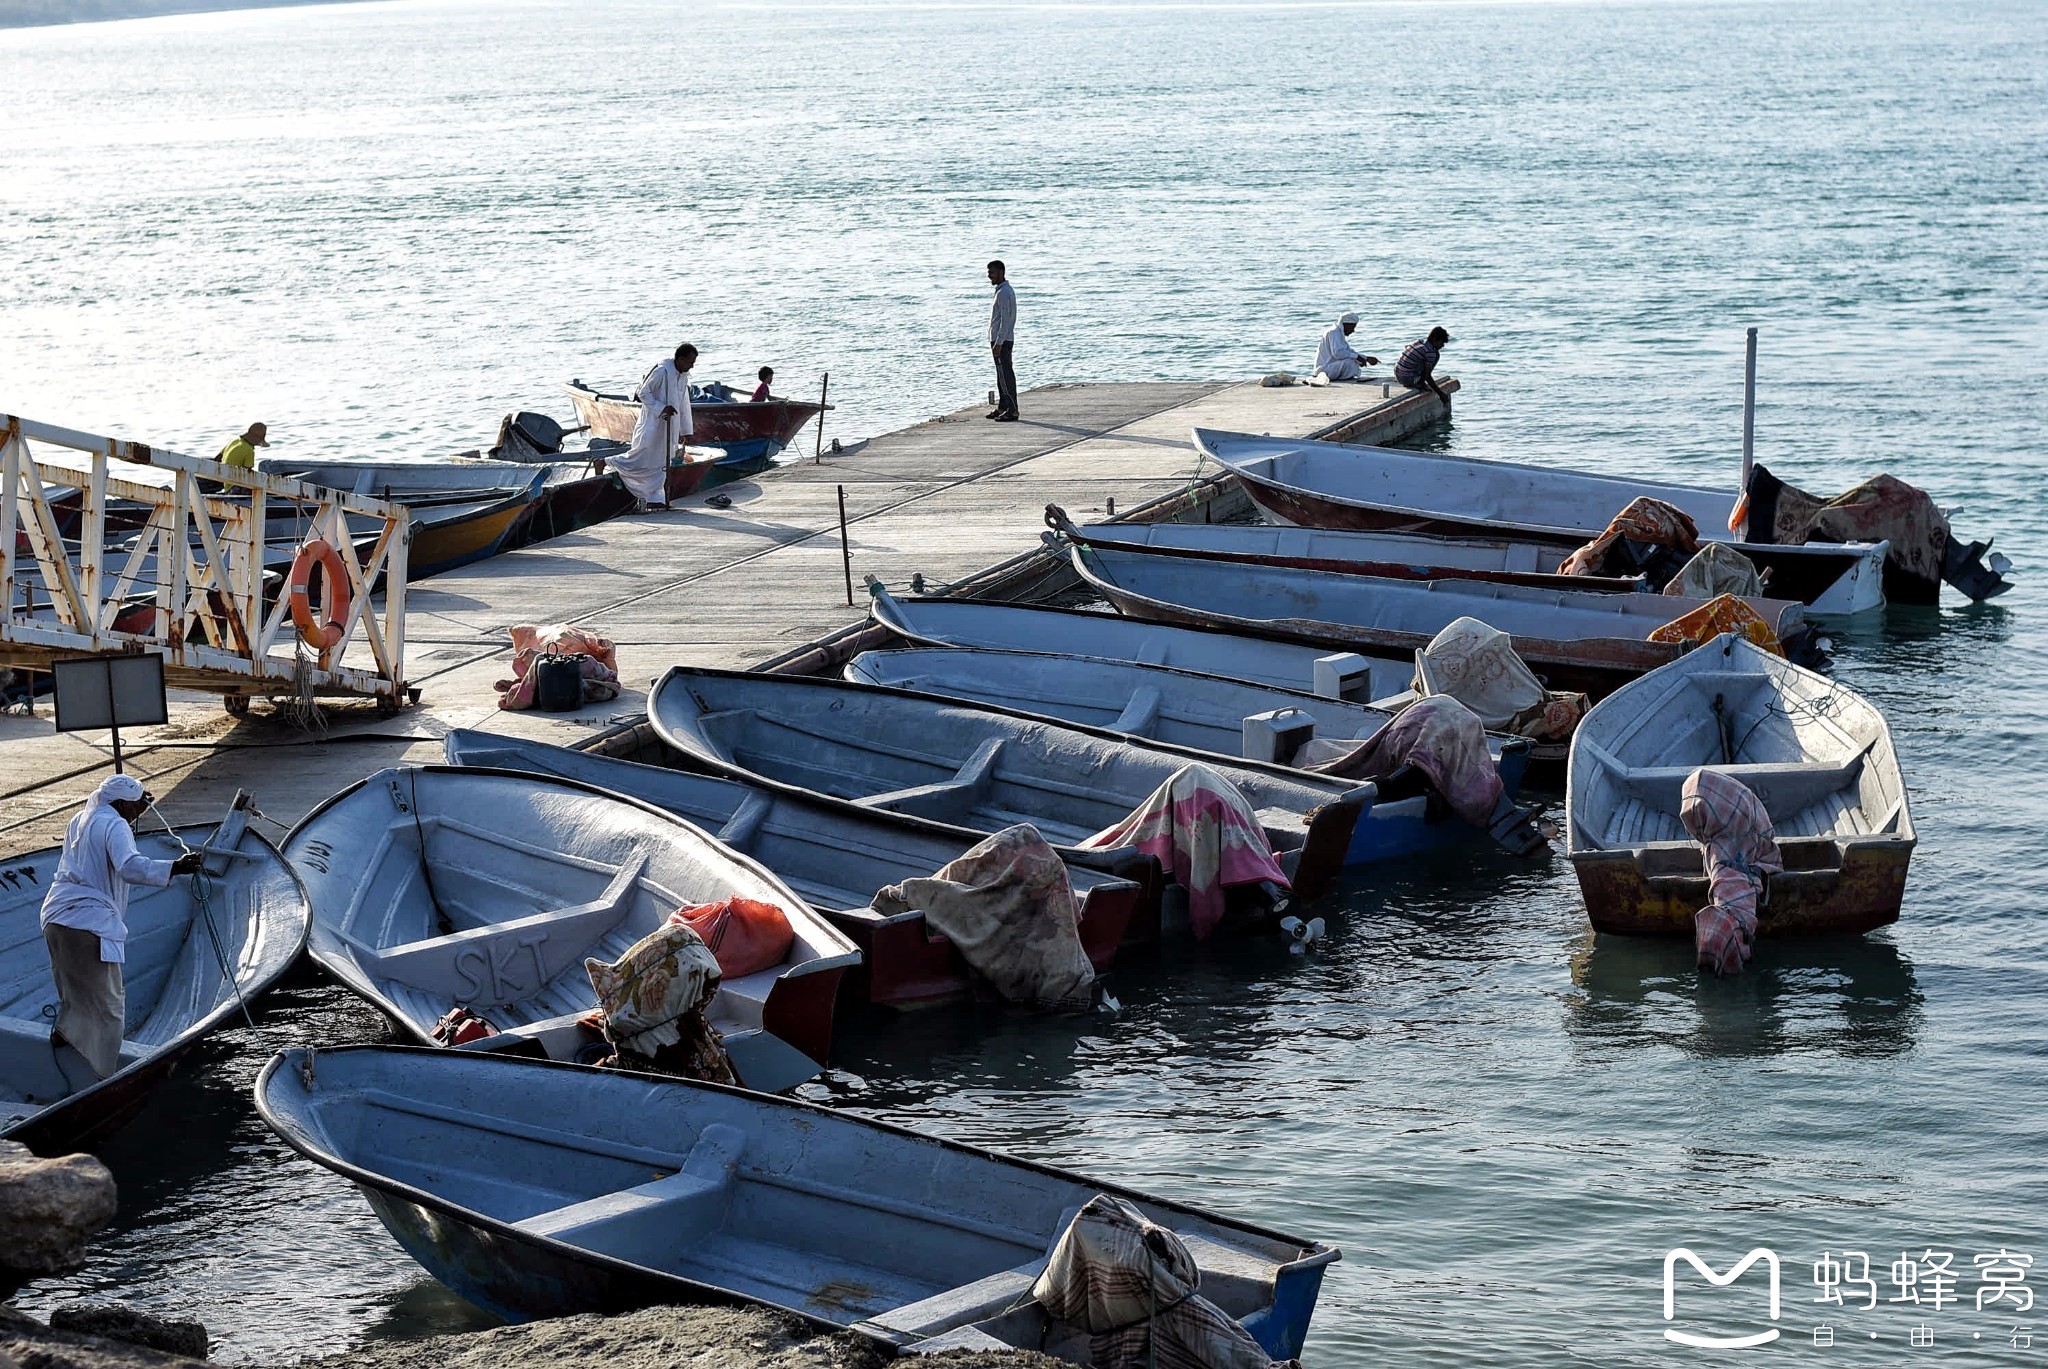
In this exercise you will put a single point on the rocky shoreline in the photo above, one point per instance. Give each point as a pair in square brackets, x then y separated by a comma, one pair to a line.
[114, 1337]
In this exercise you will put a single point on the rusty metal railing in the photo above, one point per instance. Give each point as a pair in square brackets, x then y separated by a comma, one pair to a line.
[116, 546]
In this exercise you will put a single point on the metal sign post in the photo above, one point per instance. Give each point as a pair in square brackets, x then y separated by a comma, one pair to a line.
[108, 693]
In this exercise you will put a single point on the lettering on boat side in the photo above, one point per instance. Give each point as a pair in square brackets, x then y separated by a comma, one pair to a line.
[490, 965]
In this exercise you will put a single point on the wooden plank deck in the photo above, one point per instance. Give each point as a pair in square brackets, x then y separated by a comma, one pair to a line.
[731, 586]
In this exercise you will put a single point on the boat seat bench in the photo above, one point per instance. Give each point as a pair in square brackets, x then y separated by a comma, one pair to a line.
[692, 1200]
[505, 961]
[947, 796]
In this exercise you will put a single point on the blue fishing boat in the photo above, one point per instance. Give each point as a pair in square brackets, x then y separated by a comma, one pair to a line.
[975, 768]
[538, 1189]
[1227, 717]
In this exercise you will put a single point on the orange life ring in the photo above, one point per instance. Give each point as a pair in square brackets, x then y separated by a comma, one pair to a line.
[322, 633]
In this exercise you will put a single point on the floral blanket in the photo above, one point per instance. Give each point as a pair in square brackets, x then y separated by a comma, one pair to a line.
[1444, 740]
[1202, 829]
[1716, 616]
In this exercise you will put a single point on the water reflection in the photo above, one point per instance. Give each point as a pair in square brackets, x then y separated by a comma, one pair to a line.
[1854, 997]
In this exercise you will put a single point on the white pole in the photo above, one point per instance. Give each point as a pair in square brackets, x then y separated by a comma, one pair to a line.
[1749, 410]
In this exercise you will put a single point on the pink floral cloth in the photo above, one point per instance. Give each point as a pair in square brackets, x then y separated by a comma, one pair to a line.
[1444, 740]
[1727, 818]
[1201, 828]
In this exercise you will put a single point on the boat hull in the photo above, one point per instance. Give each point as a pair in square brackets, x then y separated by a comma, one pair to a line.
[1822, 892]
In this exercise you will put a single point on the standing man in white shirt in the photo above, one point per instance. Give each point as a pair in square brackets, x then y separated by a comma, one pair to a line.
[1002, 336]
[85, 920]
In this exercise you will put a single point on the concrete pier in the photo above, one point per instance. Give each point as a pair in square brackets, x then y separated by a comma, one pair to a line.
[758, 582]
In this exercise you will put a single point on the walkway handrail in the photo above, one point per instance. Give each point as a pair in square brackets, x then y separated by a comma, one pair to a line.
[189, 575]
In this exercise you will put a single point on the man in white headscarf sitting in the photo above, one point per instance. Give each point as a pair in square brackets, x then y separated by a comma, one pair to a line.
[85, 920]
[1336, 359]
[665, 424]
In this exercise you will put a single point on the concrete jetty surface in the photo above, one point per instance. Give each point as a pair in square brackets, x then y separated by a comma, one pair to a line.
[733, 587]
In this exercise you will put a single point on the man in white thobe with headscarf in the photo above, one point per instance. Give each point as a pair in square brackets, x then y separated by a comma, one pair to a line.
[665, 423]
[1336, 359]
[85, 921]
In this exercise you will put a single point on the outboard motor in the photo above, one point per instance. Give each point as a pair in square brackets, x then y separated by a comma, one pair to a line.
[528, 437]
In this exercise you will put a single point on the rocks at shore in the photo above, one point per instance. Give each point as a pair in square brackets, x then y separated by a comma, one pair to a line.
[47, 1210]
[28, 1343]
[112, 1321]
[656, 1338]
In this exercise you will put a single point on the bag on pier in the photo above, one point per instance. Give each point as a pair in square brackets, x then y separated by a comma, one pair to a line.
[600, 665]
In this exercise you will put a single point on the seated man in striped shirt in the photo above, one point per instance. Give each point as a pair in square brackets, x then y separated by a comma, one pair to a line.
[1417, 367]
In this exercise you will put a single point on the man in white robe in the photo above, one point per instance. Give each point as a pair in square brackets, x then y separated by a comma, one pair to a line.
[1336, 359]
[665, 423]
[85, 922]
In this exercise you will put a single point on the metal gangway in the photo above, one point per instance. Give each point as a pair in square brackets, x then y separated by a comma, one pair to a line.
[248, 584]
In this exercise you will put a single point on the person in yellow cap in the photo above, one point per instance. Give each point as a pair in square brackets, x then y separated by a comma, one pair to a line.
[242, 451]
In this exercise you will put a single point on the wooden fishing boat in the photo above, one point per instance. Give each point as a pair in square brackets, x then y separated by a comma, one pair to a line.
[975, 768]
[722, 418]
[573, 494]
[1253, 657]
[836, 859]
[1224, 717]
[191, 966]
[1390, 556]
[1590, 643]
[538, 1190]
[520, 880]
[1818, 755]
[1384, 489]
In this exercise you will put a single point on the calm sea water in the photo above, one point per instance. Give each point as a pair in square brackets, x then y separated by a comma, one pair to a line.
[378, 227]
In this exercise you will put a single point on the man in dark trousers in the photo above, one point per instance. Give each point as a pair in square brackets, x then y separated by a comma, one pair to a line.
[1002, 335]
[1417, 367]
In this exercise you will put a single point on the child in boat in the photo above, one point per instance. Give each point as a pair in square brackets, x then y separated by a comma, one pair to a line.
[766, 375]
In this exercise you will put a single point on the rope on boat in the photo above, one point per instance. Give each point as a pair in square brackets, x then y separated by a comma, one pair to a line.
[202, 894]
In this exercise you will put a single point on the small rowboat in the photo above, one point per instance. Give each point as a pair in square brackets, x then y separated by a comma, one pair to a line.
[1818, 755]
[541, 1190]
[177, 978]
[1225, 717]
[1591, 643]
[977, 769]
[834, 858]
[435, 888]
[571, 494]
[1385, 489]
[745, 430]
[1390, 556]
[1254, 658]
